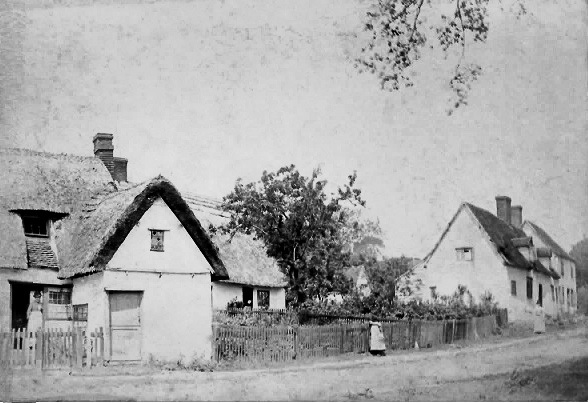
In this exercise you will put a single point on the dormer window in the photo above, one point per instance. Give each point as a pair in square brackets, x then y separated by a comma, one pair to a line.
[35, 226]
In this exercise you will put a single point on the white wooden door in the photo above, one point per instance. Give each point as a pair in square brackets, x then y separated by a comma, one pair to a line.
[125, 325]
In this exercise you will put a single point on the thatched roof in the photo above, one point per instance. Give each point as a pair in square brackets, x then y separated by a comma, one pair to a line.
[92, 214]
[32, 180]
[506, 239]
[94, 235]
[549, 241]
[37, 181]
[245, 257]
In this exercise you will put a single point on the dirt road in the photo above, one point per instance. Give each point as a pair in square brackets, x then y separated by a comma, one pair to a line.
[482, 372]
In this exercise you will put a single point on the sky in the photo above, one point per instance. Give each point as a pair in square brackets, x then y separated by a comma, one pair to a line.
[208, 91]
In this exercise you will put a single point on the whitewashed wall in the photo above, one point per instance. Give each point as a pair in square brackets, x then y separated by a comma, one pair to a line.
[176, 308]
[485, 272]
[180, 253]
[568, 280]
[225, 292]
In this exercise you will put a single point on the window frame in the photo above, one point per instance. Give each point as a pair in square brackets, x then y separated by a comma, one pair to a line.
[40, 219]
[464, 254]
[76, 316]
[530, 288]
[155, 247]
[513, 288]
[261, 292]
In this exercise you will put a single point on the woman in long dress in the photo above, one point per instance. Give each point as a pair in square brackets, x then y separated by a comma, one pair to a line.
[35, 314]
[539, 319]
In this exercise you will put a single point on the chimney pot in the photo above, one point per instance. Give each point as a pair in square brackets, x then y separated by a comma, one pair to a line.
[120, 169]
[503, 208]
[104, 149]
[516, 216]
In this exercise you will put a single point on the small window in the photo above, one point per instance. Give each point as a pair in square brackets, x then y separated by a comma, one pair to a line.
[513, 288]
[562, 268]
[464, 254]
[529, 288]
[263, 299]
[540, 296]
[572, 271]
[60, 297]
[35, 226]
[80, 312]
[157, 240]
[553, 293]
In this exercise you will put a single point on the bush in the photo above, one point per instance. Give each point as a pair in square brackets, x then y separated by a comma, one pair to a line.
[460, 305]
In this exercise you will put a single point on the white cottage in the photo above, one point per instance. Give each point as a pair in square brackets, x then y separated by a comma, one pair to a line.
[255, 279]
[132, 259]
[487, 252]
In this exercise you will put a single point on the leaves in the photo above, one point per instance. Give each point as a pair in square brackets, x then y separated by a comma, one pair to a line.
[397, 35]
[303, 228]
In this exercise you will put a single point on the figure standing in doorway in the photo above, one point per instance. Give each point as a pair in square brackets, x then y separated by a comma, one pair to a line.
[35, 313]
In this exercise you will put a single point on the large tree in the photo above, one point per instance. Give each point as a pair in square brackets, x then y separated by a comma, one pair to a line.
[306, 230]
[579, 252]
[399, 31]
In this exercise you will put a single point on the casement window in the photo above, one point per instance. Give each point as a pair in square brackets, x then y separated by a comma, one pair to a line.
[263, 299]
[553, 293]
[529, 288]
[464, 254]
[540, 296]
[80, 312]
[58, 304]
[61, 297]
[157, 240]
[513, 288]
[35, 226]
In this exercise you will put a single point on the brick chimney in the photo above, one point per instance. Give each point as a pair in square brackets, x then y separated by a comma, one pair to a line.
[516, 216]
[120, 169]
[503, 208]
[104, 149]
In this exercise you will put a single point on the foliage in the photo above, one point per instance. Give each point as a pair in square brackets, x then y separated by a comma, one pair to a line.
[580, 254]
[249, 317]
[304, 229]
[398, 35]
[457, 306]
[583, 299]
[197, 363]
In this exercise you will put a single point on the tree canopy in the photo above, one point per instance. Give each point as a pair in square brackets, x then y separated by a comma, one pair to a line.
[579, 252]
[398, 34]
[309, 232]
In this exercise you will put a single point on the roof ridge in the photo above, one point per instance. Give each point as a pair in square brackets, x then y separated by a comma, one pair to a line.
[30, 152]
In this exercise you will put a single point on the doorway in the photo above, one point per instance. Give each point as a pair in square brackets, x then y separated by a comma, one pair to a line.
[125, 325]
[248, 297]
[20, 296]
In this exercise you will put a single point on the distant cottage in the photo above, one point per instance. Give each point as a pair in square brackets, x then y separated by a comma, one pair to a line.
[135, 259]
[518, 263]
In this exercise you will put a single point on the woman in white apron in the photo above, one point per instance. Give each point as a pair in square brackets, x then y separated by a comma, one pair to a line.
[34, 315]
[539, 319]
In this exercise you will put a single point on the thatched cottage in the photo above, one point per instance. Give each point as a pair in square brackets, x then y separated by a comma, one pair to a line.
[131, 258]
[516, 261]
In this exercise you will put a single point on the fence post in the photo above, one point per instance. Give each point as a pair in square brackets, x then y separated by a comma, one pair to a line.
[79, 348]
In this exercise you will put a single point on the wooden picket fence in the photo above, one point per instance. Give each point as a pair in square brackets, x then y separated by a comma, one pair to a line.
[51, 348]
[284, 343]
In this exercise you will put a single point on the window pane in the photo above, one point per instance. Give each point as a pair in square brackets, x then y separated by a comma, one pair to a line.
[263, 298]
[157, 240]
[35, 226]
